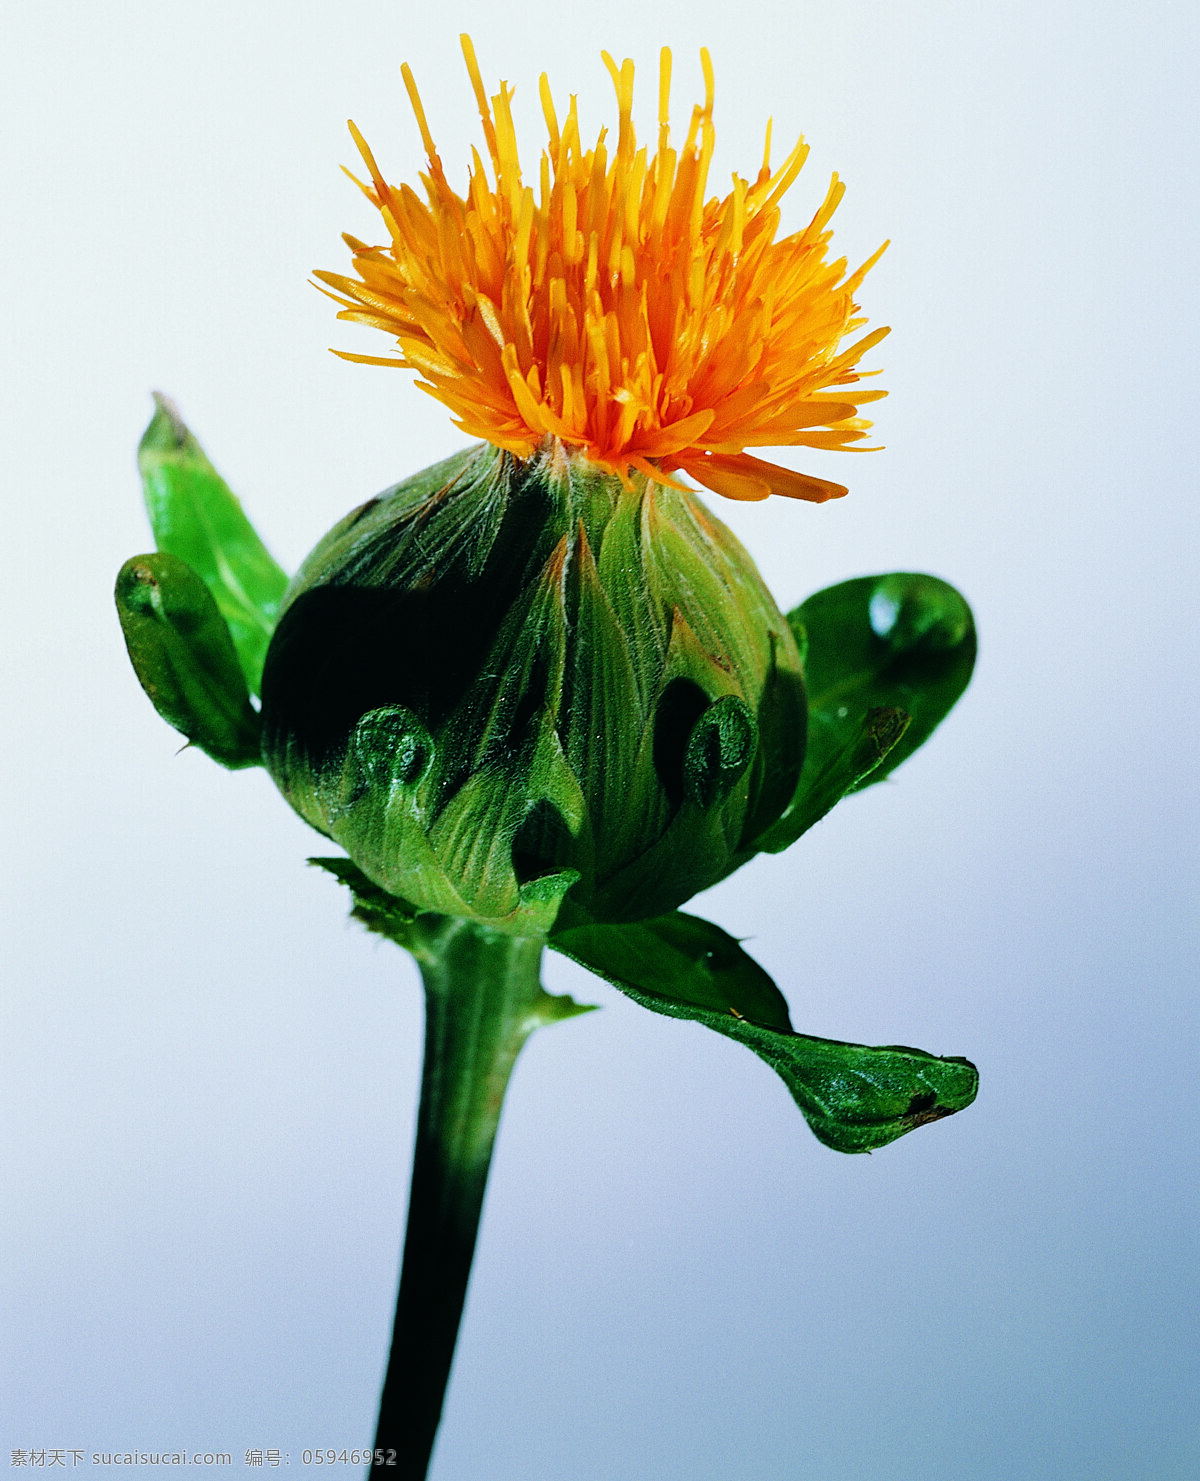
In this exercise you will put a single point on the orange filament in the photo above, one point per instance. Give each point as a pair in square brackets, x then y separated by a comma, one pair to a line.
[614, 307]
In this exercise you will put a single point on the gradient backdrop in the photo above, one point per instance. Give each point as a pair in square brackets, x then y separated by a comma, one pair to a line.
[209, 1077]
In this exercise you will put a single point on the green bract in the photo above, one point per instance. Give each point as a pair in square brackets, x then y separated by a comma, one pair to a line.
[181, 651]
[197, 518]
[502, 681]
[533, 703]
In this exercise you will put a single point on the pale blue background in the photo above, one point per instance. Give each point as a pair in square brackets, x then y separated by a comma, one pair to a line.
[209, 1078]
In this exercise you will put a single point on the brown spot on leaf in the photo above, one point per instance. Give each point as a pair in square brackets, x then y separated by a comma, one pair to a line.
[924, 1108]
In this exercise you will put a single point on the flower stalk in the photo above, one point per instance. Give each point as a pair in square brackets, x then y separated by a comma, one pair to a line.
[483, 999]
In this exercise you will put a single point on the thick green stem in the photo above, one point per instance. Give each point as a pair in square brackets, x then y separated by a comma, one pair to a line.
[483, 999]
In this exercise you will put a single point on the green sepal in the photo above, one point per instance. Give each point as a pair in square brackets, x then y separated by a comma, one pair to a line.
[421, 932]
[854, 1097]
[901, 642]
[720, 748]
[390, 745]
[463, 866]
[471, 834]
[778, 762]
[184, 657]
[195, 516]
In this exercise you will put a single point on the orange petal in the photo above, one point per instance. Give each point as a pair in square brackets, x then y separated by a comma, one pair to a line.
[744, 477]
[724, 475]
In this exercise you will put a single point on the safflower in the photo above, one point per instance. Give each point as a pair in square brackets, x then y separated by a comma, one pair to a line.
[538, 693]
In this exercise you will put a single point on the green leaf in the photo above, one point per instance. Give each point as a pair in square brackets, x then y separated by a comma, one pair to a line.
[835, 772]
[196, 517]
[184, 658]
[855, 1097]
[904, 640]
[681, 958]
[899, 644]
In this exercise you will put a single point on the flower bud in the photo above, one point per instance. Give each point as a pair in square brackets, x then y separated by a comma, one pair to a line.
[505, 679]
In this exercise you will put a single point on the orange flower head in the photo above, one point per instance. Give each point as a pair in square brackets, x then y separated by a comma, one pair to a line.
[614, 308]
